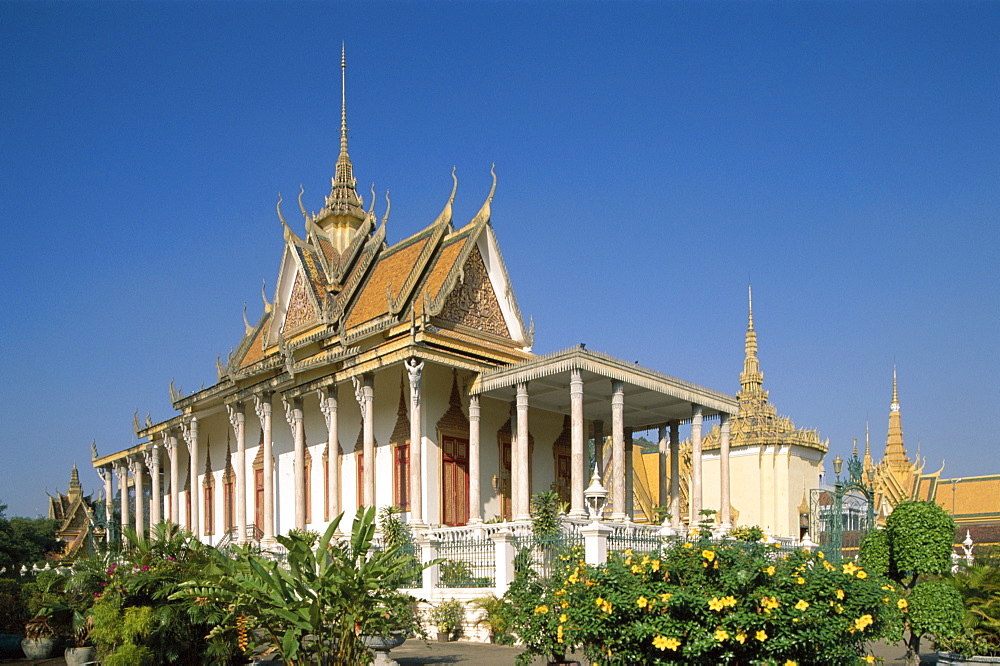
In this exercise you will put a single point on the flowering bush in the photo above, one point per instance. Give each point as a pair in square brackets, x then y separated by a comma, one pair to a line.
[701, 602]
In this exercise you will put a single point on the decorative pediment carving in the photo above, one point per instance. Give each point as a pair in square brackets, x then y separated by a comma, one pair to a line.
[474, 303]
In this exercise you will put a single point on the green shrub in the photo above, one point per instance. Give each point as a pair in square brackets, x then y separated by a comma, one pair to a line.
[702, 602]
[873, 554]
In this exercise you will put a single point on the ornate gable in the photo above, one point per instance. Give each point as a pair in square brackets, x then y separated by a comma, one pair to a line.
[474, 303]
[301, 313]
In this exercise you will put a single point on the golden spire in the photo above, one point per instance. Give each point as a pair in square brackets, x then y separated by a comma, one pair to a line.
[895, 451]
[343, 207]
[868, 451]
[75, 489]
[751, 379]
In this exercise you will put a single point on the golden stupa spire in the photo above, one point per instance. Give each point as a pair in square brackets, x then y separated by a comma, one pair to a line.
[344, 207]
[868, 450]
[895, 451]
[75, 489]
[751, 379]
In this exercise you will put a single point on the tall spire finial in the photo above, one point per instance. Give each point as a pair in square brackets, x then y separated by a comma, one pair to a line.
[751, 379]
[343, 99]
[344, 210]
[895, 395]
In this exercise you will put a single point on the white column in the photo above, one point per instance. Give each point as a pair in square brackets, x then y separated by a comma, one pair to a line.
[364, 393]
[629, 477]
[696, 420]
[724, 499]
[617, 450]
[293, 414]
[238, 420]
[152, 455]
[191, 439]
[475, 498]
[121, 471]
[414, 368]
[675, 474]
[522, 502]
[173, 451]
[578, 467]
[107, 474]
[663, 449]
[328, 405]
[262, 405]
[135, 464]
[599, 447]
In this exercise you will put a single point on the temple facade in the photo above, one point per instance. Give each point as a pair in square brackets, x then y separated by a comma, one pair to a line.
[404, 375]
[74, 512]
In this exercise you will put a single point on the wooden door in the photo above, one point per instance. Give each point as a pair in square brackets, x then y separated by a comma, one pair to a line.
[455, 470]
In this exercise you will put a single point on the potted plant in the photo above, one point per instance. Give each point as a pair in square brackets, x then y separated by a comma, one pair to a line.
[12, 617]
[81, 651]
[39, 640]
[448, 616]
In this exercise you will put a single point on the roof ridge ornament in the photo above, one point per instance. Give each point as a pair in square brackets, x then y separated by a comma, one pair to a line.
[445, 216]
[388, 205]
[483, 216]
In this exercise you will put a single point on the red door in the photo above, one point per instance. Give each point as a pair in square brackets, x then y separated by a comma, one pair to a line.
[455, 468]
[258, 514]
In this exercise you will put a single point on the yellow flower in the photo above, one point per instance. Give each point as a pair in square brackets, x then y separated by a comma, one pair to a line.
[839, 608]
[769, 571]
[819, 554]
[769, 603]
[800, 580]
[606, 607]
[902, 605]
[802, 605]
[870, 659]
[721, 635]
[840, 594]
[599, 601]
[791, 663]
[541, 610]
[761, 635]
[559, 634]
[741, 637]
[863, 622]
[694, 532]
[850, 568]
[716, 604]
[708, 554]
[862, 575]
[573, 578]
[656, 565]
[689, 545]
[664, 643]
[563, 617]
[642, 602]
[560, 593]
[628, 551]
[636, 569]
[665, 596]
[827, 565]
[729, 601]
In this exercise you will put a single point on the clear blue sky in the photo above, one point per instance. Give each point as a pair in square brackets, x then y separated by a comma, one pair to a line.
[651, 158]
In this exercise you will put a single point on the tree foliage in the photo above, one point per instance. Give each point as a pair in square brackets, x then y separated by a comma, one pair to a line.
[25, 541]
[921, 537]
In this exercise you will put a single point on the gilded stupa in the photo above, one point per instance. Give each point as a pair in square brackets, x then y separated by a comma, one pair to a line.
[774, 464]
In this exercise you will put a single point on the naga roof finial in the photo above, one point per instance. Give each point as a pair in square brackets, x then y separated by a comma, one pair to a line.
[483, 216]
[302, 191]
[388, 205]
[263, 286]
[289, 234]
